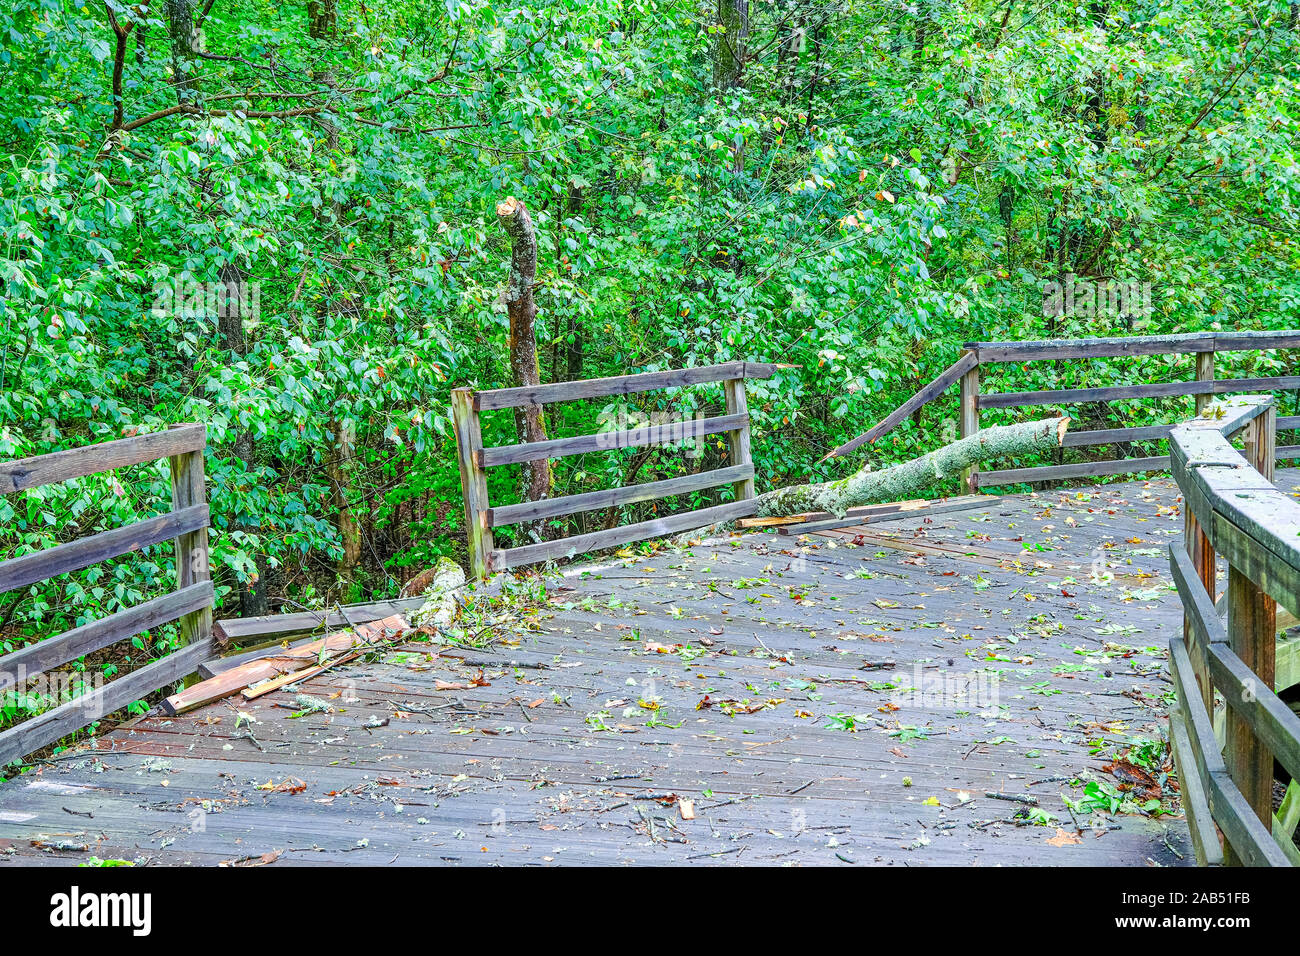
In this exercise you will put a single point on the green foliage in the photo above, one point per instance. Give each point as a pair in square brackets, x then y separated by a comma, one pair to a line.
[883, 184]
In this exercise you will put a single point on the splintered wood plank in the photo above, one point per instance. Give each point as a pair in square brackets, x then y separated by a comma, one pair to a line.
[299, 658]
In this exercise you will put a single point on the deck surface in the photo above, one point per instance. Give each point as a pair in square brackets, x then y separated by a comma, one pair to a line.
[1026, 646]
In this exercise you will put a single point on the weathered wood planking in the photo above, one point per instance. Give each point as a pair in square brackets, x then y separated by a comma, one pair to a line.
[737, 404]
[869, 514]
[34, 659]
[1261, 709]
[1109, 436]
[233, 680]
[57, 466]
[246, 630]
[484, 778]
[688, 430]
[616, 497]
[1186, 344]
[1083, 469]
[44, 729]
[473, 479]
[1244, 517]
[1195, 800]
[192, 564]
[83, 552]
[618, 385]
[1066, 396]
[615, 537]
[1197, 603]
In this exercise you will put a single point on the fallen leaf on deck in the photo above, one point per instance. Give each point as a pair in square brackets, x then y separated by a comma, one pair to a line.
[1063, 839]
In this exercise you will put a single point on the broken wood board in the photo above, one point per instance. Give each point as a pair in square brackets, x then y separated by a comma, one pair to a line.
[292, 677]
[871, 514]
[251, 630]
[288, 662]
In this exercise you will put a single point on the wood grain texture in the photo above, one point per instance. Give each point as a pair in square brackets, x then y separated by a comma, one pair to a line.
[1186, 343]
[246, 630]
[36, 658]
[1264, 713]
[83, 552]
[1083, 469]
[189, 490]
[473, 482]
[738, 438]
[1109, 436]
[1252, 630]
[1195, 799]
[235, 679]
[616, 497]
[57, 723]
[689, 430]
[615, 537]
[618, 385]
[1197, 604]
[871, 514]
[760, 616]
[1111, 393]
[41, 470]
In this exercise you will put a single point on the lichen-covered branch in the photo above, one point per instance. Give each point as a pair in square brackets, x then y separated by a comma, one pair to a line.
[908, 480]
[535, 476]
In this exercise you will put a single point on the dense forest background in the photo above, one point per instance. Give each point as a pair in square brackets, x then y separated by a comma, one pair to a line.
[855, 187]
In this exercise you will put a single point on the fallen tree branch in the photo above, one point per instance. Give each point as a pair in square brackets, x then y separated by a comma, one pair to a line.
[903, 481]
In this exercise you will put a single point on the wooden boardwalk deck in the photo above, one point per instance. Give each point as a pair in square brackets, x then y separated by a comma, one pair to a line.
[1023, 663]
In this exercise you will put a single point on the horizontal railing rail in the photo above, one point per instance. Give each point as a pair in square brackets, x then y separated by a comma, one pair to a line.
[965, 372]
[481, 516]
[189, 606]
[1233, 510]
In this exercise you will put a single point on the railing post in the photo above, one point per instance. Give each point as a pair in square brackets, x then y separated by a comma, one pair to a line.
[1202, 555]
[473, 480]
[734, 389]
[191, 548]
[1204, 373]
[970, 419]
[1252, 626]
[1252, 632]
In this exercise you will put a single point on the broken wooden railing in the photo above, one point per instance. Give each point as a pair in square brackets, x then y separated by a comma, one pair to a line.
[1233, 510]
[965, 373]
[481, 517]
[190, 604]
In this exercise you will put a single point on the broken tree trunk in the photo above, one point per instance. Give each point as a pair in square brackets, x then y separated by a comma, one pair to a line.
[522, 310]
[903, 481]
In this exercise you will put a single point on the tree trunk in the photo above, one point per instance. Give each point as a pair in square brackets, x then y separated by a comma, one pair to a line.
[230, 326]
[339, 471]
[910, 478]
[522, 310]
[729, 44]
[184, 39]
[322, 18]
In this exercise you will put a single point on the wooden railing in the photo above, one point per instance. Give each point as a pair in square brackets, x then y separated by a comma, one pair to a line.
[1232, 509]
[190, 604]
[481, 517]
[965, 373]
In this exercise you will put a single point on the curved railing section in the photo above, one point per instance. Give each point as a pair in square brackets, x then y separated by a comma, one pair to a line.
[1233, 510]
